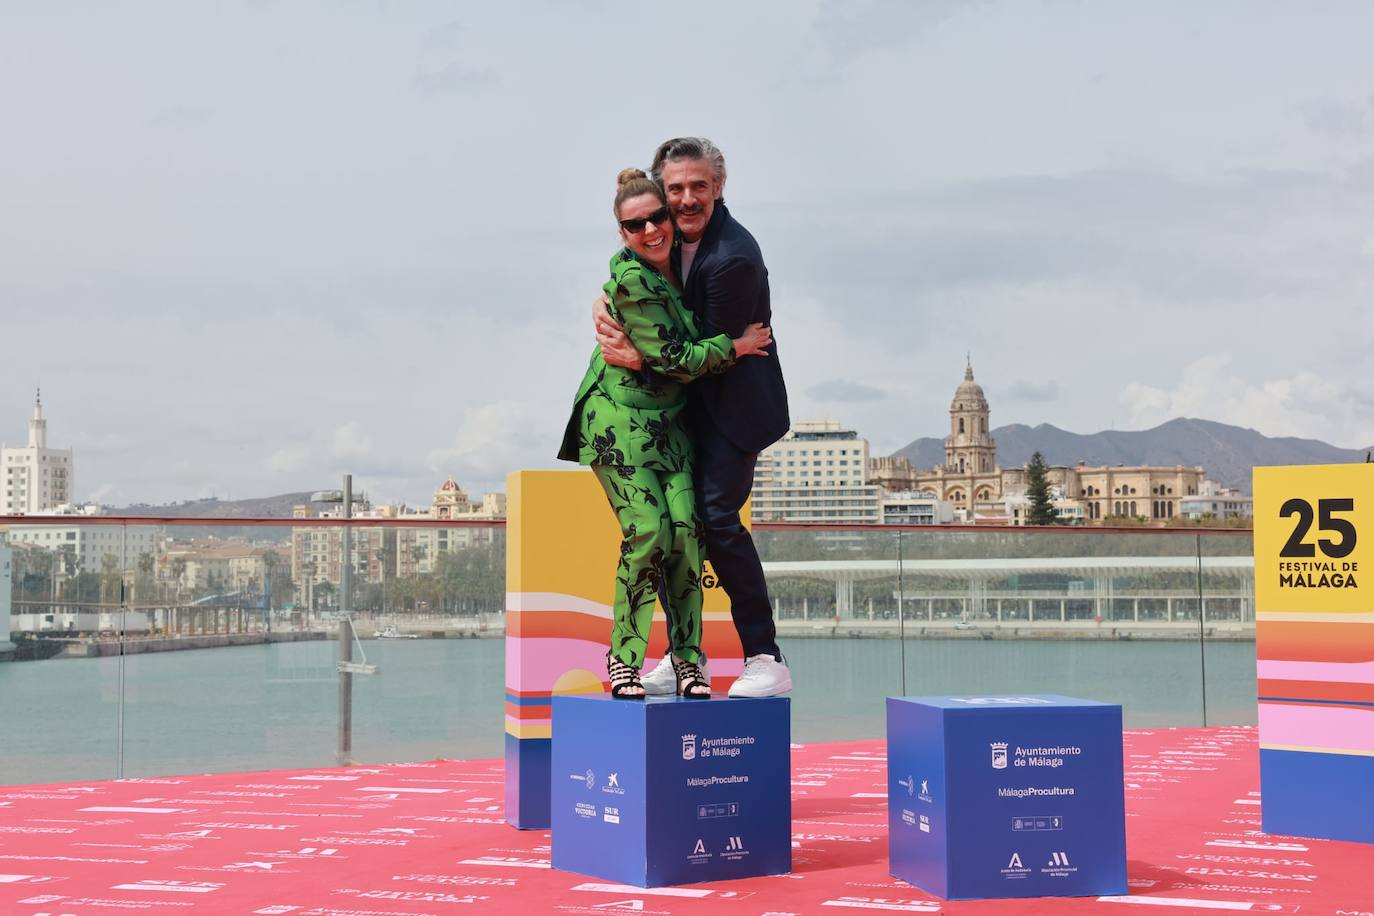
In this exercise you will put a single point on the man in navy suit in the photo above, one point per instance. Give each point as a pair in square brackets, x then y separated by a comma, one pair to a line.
[733, 416]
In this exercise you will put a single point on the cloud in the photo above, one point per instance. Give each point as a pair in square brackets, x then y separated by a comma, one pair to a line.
[1034, 391]
[349, 441]
[287, 460]
[444, 65]
[969, 191]
[1138, 241]
[453, 77]
[442, 37]
[845, 390]
[1304, 404]
[851, 28]
[490, 441]
[1339, 120]
[179, 116]
[327, 454]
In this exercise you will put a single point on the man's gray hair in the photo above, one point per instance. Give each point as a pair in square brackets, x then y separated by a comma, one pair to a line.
[688, 148]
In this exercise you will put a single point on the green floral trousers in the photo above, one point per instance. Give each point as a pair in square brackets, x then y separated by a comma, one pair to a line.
[661, 545]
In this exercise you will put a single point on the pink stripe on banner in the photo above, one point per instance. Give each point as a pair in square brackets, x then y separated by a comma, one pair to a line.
[1334, 672]
[538, 663]
[1300, 725]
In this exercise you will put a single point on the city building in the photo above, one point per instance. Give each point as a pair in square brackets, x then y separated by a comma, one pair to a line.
[969, 479]
[818, 472]
[1215, 501]
[894, 473]
[418, 549]
[317, 552]
[218, 566]
[1067, 511]
[383, 553]
[908, 507]
[92, 548]
[35, 478]
[983, 492]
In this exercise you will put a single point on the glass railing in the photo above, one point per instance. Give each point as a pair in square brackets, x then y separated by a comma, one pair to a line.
[1108, 614]
[1227, 653]
[154, 647]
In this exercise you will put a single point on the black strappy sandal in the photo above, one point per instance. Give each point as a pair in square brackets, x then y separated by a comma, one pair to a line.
[690, 681]
[623, 679]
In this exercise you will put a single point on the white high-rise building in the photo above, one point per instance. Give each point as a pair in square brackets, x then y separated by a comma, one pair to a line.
[818, 472]
[35, 479]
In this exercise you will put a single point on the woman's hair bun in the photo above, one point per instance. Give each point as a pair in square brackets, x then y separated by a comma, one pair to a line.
[628, 175]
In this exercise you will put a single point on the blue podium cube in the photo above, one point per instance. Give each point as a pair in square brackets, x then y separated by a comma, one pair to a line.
[670, 791]
[1008, 796]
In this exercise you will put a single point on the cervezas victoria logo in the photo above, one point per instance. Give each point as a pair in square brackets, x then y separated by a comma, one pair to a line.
[999, 755]
[689, 747]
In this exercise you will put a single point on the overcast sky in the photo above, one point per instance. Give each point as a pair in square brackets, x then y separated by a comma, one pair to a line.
[247, 247]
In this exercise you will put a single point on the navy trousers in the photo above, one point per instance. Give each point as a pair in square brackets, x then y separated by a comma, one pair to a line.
[724, 477]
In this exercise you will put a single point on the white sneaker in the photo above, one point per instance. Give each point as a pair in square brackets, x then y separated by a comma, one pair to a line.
[662, 681]
[764, 676]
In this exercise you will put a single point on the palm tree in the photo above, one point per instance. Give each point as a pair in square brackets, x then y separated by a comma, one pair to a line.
[308, 587]
[145, 576]
[179, 573]
[270, 562]
[67, 554]
[387, 557]
[34, 574]
[111, 579]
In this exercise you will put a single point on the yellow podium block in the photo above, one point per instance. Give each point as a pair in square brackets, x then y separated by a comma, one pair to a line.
[562, 546]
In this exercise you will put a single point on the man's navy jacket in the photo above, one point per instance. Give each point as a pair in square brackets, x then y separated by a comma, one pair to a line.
[728, 289]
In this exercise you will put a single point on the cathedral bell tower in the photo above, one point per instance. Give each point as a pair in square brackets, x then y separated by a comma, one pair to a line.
[969, 447]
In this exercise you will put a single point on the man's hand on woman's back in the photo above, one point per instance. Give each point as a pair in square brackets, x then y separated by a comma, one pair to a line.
[616, 348]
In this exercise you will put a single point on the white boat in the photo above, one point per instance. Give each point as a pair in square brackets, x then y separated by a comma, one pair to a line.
[390, 632]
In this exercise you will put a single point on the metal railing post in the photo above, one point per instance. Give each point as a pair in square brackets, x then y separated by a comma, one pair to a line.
[1201, 631]
[901, 617]
[123, 612]
[346, 631]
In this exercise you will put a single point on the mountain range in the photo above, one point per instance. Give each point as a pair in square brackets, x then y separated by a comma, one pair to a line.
[261, 507]
[1227, 453]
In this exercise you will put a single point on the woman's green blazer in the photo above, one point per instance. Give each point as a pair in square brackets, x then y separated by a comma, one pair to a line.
[633, 418]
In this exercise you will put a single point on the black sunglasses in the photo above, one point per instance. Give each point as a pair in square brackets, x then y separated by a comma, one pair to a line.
[636, 226]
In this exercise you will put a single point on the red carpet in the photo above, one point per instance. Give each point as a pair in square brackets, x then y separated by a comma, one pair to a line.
[428, 838]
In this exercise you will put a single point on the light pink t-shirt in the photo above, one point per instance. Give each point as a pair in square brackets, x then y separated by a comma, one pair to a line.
[689, 254]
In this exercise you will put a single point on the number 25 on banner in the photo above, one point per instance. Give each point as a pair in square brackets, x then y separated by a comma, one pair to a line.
[1309, 553]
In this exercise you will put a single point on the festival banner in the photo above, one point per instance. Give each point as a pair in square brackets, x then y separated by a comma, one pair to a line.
[1314, 635]
[562, 545]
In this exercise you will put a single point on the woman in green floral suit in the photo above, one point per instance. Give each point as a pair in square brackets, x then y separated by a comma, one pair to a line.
[628, 426]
